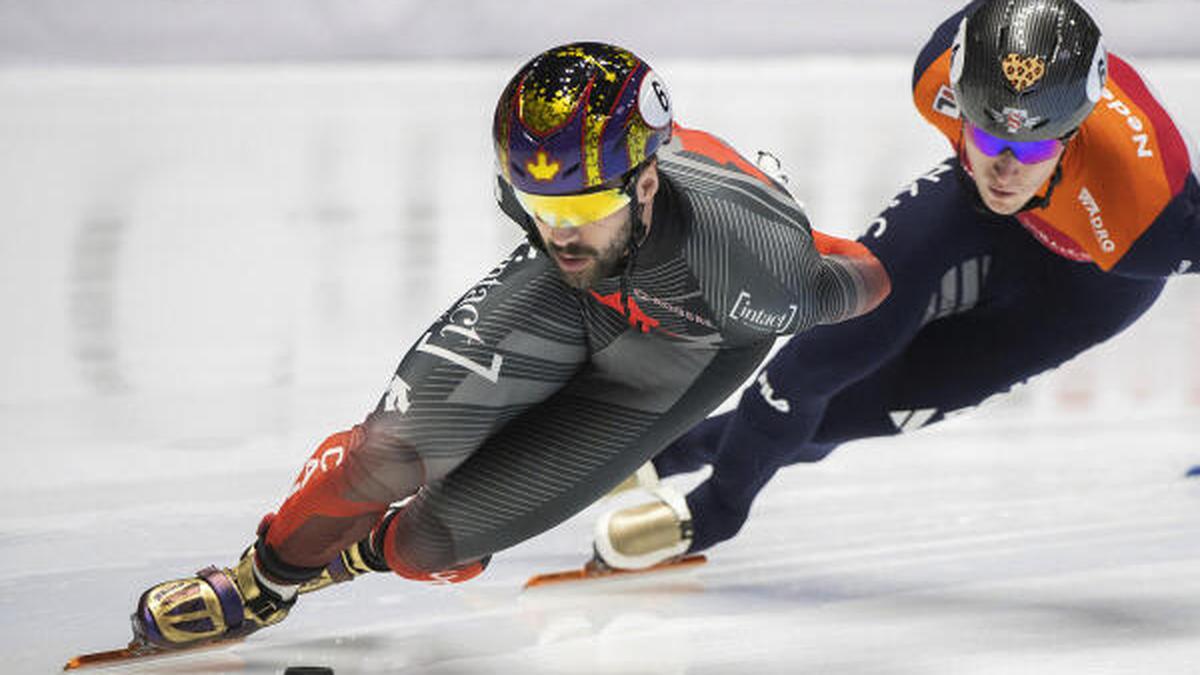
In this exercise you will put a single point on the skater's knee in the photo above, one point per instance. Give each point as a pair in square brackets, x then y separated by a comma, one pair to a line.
[386, 465]
[417, 546]
[438, 572]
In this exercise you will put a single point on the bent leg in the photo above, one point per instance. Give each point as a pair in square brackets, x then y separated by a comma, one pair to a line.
[560, 457]
[486, 361]
[1061, 310]
[340, 495]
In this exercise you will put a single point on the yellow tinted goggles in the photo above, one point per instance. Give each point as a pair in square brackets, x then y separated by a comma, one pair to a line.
[573, 210]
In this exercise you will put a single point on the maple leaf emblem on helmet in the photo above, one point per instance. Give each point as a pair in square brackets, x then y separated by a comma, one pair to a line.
[544, 169]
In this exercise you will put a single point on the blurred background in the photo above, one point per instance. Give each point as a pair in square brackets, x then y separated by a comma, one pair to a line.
[223, 222]
[207, 196]
[237, 31]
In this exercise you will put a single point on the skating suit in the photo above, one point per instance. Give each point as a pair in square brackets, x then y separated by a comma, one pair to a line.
[528, 400]
[979, 302]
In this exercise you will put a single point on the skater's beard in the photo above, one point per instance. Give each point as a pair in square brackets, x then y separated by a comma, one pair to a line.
[603, 263]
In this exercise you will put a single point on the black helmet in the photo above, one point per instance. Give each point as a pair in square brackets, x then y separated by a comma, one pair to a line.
[1027, 69]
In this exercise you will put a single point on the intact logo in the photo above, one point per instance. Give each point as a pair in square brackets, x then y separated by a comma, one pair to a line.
[763, 319]
[1098, 230]
[946, 103]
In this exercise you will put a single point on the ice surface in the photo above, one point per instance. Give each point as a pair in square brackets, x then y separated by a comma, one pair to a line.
[204, 271]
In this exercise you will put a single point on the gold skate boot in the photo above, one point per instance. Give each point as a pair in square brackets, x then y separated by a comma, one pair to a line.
[641, 536]
[216, 604]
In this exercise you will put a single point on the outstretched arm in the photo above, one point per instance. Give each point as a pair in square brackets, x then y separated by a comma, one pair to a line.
[853, 272]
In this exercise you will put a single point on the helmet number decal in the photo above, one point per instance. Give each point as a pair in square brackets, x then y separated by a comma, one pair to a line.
[653, 102]
[661, 94]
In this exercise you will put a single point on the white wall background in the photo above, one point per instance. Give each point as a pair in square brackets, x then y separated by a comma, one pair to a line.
[211, 250]
[188, 231]
[158, 31]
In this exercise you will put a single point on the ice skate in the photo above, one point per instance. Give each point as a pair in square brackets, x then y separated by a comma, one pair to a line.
[647, 537]
[215, 605]
[214, 608]
[644, 535]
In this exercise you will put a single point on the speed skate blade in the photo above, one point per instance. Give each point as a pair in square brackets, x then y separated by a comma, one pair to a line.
[136, 652]
[587, 572]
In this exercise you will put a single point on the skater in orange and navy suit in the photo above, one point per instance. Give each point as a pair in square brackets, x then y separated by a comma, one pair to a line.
[1070, 198]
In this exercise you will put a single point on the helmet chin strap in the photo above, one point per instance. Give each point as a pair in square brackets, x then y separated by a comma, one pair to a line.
[511, 208]
[532, 235]
[637, 232]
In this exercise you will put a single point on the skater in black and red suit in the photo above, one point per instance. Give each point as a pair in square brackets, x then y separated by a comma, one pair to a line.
[659, 269]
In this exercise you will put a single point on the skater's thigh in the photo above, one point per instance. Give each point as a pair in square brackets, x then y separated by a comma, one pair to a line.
[564, 454]
[1062, 310]
[1034, 313]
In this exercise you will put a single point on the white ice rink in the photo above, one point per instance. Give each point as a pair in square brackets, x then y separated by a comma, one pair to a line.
[206, 270]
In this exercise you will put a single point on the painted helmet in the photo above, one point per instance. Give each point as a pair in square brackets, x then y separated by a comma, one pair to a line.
[579, 119]
[1028, 70]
